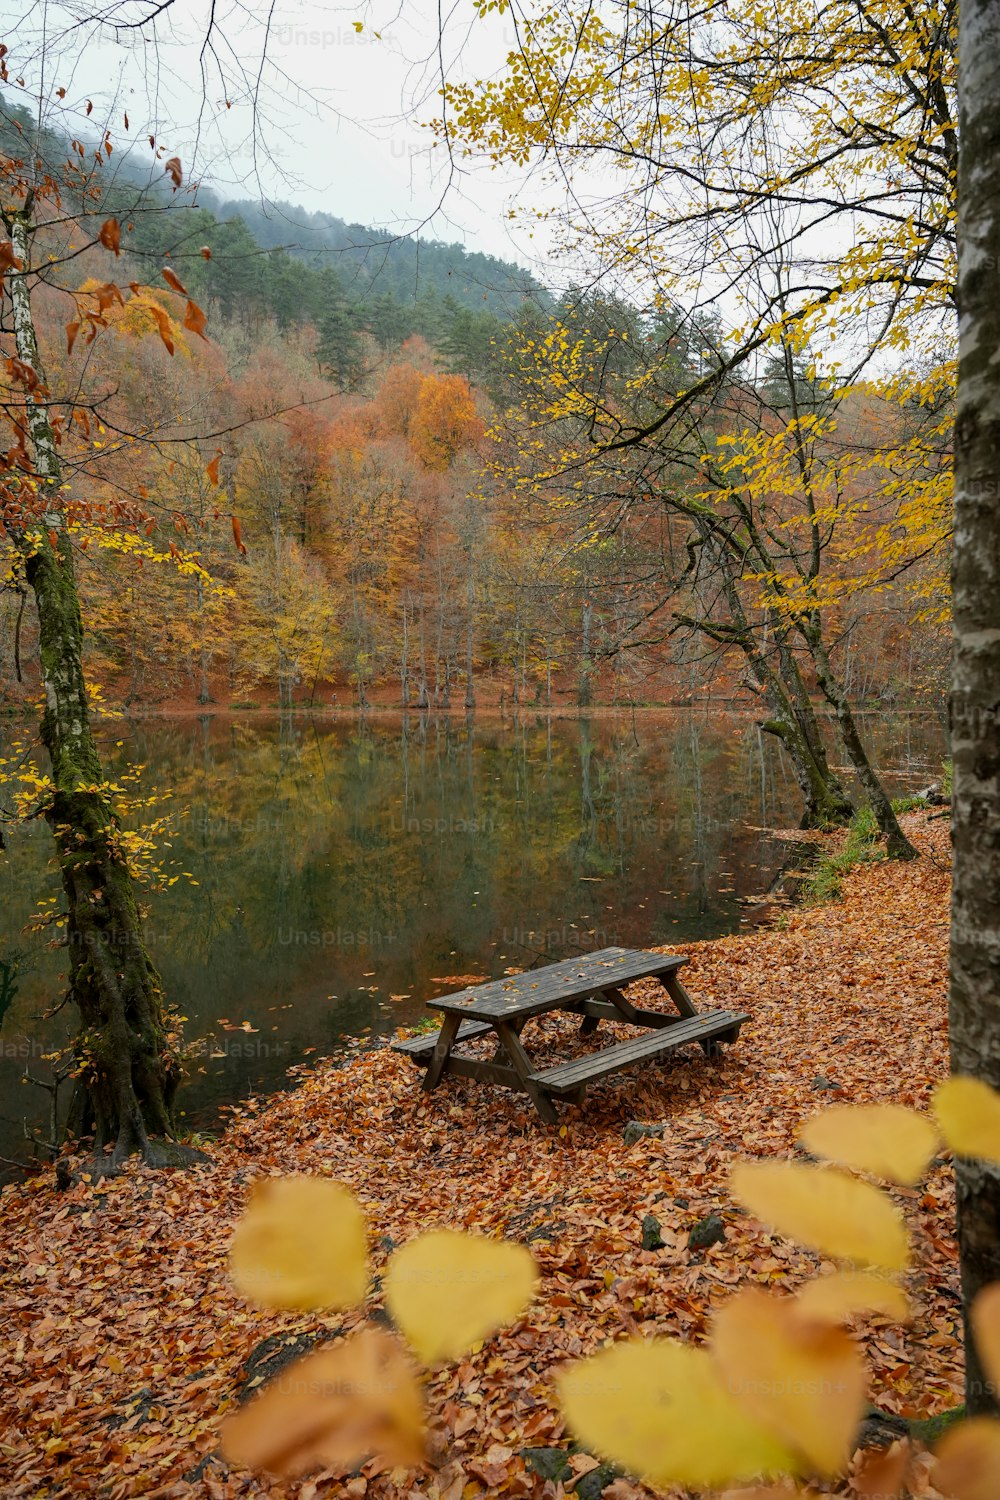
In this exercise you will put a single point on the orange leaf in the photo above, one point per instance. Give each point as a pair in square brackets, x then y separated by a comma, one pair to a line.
[107, 295]
[195, 319]
[53, 538]
[206, 253]
[173, 168]
[882, 1475]
[22, 372]
[336, 1407]
[72, 329]
[237, 536]
[173, 280]
[8, 260]
[212, 469]
[802, 1380]
[163, 324]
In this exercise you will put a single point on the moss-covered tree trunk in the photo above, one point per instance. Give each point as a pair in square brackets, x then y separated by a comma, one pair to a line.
[897, 844]
[128, 1070]
[792, 719]
[975, 698]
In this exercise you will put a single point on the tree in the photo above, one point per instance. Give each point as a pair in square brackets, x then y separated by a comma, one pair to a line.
[975, 700]
[126, 1056]
[810, 121]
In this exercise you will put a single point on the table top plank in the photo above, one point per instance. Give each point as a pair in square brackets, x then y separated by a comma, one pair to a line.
[539, 990]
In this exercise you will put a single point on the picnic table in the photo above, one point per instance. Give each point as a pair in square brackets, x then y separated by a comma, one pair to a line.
[589, 987]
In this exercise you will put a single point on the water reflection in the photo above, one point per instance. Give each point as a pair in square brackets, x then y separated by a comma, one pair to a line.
[338, 873]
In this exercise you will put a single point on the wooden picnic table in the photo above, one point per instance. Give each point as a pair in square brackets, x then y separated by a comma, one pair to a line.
[590, 987]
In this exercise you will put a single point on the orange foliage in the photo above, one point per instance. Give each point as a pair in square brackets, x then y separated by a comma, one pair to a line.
[445, 421]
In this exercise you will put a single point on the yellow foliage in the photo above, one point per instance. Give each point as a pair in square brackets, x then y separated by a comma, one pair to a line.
[884, 1139]
[446, 1291]
[968, 1112]
[665, 1411]
[301, 1244]
[825, 1209]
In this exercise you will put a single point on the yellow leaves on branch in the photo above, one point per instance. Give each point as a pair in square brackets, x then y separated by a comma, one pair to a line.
[803, 1381]
[779, 1389]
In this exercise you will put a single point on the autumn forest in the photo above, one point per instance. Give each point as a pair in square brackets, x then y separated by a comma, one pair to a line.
[500, 750]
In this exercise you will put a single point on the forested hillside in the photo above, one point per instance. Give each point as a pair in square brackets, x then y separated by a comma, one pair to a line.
[365, 469]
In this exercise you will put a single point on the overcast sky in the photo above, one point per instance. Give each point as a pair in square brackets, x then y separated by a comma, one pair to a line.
[320, 114]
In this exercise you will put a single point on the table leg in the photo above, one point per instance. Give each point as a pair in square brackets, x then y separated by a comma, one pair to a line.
[620, 1003]
[521, 1063]
[439, 1057]
[678, 994]
[500, 1055]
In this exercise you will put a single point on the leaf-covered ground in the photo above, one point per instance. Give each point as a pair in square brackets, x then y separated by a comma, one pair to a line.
[121, 1340]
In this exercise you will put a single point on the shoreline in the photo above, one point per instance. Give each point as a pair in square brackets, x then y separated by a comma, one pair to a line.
[116, 1297]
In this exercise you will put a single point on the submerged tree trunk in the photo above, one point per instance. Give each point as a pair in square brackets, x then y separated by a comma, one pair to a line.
[128, 1065]
[975, 697]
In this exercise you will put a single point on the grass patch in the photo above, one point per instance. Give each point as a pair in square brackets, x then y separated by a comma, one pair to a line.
[825, 881]
[908, 804]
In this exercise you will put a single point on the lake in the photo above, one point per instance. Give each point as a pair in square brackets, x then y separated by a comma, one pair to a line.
[330, 875]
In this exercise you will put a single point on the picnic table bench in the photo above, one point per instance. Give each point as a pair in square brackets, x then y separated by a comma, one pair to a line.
[589, 987]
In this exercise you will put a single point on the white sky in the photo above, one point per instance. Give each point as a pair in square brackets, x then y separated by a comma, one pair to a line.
[337, 112]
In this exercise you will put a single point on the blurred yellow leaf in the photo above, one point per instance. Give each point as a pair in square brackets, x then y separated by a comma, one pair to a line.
[804, 1381]
[884, 1139]
[986, 1331]
[446, 1290]
[968, 1112]
[825, 1209]
[337, 1406]
[300, 1244]
[661, 1409]
[834, 1298]
[968, 1466]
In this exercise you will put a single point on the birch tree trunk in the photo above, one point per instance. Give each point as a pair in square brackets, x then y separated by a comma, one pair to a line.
[127, 1065]
[975, 697]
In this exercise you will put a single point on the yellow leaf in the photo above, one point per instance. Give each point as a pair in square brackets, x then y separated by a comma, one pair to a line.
[968, 1466]
[337, 1406]
[661, 1410]
[884, 1139]
[968, 1112]
[301, 1244]
[803, 1380]
[834, 1298]
[825, 1209]
[447, 1290]
[986, 1331]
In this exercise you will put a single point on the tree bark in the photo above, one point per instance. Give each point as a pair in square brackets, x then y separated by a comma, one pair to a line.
[897, 844]
[975, 696]
[128, 1067]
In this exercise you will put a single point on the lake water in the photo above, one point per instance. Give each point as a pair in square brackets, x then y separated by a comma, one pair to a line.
[346, 872]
